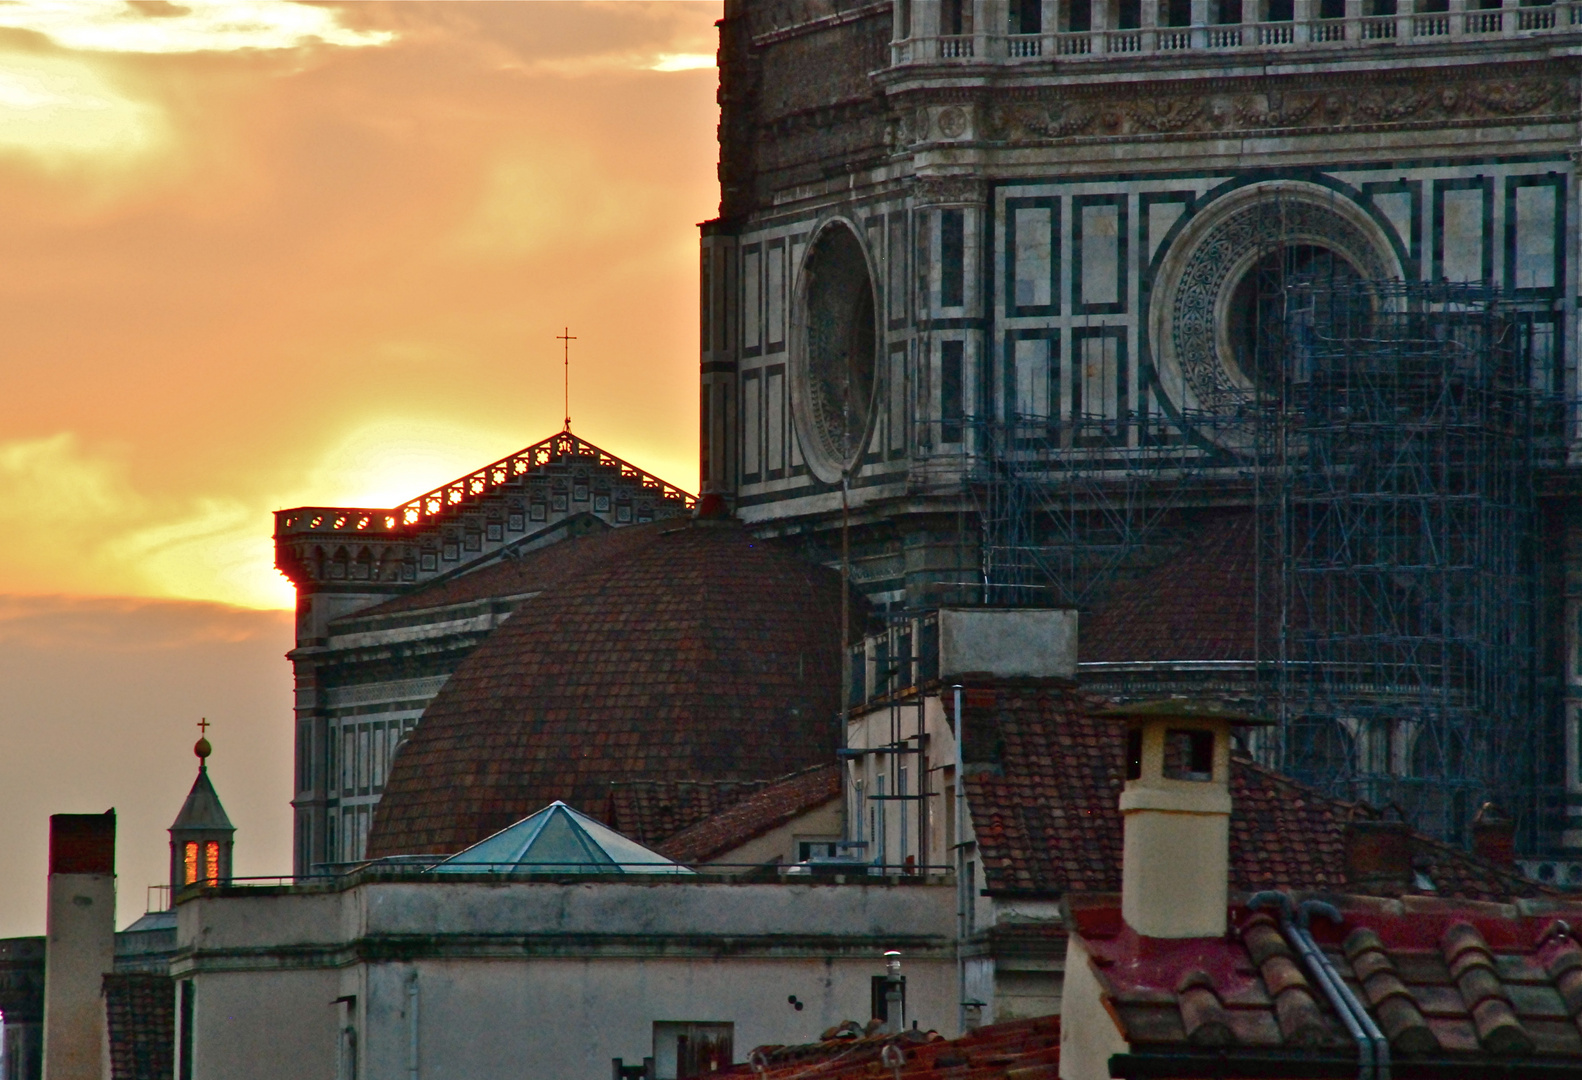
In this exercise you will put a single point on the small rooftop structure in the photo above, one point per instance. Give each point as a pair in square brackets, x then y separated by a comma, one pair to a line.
[558, 840]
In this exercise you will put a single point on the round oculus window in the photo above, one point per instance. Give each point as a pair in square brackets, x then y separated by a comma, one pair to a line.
[836, 352]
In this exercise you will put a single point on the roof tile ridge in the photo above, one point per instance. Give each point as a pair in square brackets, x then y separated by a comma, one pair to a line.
[1472, 970]
[1295, 1006]
[1203, 1015]
[1561, 958]
[1392, 1002]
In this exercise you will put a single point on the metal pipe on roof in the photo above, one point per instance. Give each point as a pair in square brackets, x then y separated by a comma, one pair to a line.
[961, 879]
[1373, 1049]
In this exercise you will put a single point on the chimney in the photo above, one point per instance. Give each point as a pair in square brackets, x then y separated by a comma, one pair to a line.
[79, 946]
[1176, 805]
[1494, 836]
[1378, 856]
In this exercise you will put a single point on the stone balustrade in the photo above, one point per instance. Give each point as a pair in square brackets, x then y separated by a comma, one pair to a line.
[1352, 31]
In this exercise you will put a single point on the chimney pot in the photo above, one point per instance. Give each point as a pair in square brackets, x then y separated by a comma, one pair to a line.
[1494, 836]
[1378, 856]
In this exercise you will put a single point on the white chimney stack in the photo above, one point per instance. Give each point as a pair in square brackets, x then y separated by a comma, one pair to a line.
[79, 947]
[1176, 805]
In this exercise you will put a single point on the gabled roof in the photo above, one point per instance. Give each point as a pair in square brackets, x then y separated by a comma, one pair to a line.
[202, 810]
[1044, 803]
[1458, 989]
[1018, 1050]
[558, 840]
[755, 815]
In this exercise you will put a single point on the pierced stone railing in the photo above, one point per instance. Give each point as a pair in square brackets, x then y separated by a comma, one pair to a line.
[1367, 32]
[564, 447]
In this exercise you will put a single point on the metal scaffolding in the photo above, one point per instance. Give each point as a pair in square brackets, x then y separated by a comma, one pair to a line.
[1389, 443]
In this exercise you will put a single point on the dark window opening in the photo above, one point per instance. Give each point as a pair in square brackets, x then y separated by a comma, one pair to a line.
[1331, 9]
[184, 1036]
[1079, 16]
[952, 258]
[952, 406]
[1129, 14]
[1281, 10]
[1179, 12]
[1276, 308]
[1134, 754]
[1027, 17]
[1381, 7]
[1432, 7]
[1189, 755]
[1229, 12]
[955, 17]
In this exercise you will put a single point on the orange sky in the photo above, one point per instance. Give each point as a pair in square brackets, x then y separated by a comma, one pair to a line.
[267, 254]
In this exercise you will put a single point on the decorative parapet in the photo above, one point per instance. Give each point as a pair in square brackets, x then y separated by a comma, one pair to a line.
[1298, 34]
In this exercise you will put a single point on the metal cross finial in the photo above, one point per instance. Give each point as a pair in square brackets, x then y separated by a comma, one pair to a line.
[565, 337]
[204, 725]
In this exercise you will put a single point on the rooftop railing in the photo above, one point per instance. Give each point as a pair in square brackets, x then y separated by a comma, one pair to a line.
[1360, 32]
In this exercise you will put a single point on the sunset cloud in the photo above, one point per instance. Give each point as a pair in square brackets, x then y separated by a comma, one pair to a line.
[58, 107]
[187, 26]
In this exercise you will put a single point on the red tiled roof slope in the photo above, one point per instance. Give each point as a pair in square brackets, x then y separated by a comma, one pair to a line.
[755, 815]
[532, 572]
[1450, 984]
[650, 811]
[683, 652]
[1044, 807]
[1197, 605]
[141, 1013]
[1018, 1050]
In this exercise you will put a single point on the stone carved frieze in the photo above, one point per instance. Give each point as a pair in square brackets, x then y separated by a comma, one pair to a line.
[949, 190]
[1081, 114]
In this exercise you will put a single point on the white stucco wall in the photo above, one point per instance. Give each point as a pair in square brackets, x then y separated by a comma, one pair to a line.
[542, 979]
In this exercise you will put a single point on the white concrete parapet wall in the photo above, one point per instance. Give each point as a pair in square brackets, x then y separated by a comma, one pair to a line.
[1008, 642]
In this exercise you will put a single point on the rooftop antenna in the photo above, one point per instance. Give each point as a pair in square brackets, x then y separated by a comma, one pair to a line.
[565, 337]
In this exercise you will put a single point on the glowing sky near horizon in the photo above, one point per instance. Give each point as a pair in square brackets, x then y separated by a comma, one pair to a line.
[267, 254]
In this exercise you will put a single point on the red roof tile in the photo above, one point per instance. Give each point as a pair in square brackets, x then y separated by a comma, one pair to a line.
[1448, 983]
[1197, 605]
[755, 815]
[1045, 777]
[678, 652]
[650, 811]
[141, 1014]
[1018, 1050]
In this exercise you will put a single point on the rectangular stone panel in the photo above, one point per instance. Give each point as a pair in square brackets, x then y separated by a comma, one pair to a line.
[1534, 222]
[752, 427]
[774, 293]
[774, 420]
[1463, 226]
[752, 300]
[1033, 264]
[1098, 242]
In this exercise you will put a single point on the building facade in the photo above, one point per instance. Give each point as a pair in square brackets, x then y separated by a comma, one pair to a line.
[1014, 300]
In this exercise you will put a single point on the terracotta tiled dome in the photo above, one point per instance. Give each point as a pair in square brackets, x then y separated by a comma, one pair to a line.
[673, 652]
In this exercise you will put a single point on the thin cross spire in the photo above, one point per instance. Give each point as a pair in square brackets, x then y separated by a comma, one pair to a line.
[565, 337]
[203, 726]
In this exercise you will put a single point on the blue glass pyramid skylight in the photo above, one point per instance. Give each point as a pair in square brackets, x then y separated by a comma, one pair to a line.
[558, 840]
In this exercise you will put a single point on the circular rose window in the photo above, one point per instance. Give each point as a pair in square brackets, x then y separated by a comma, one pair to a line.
[834, 344]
